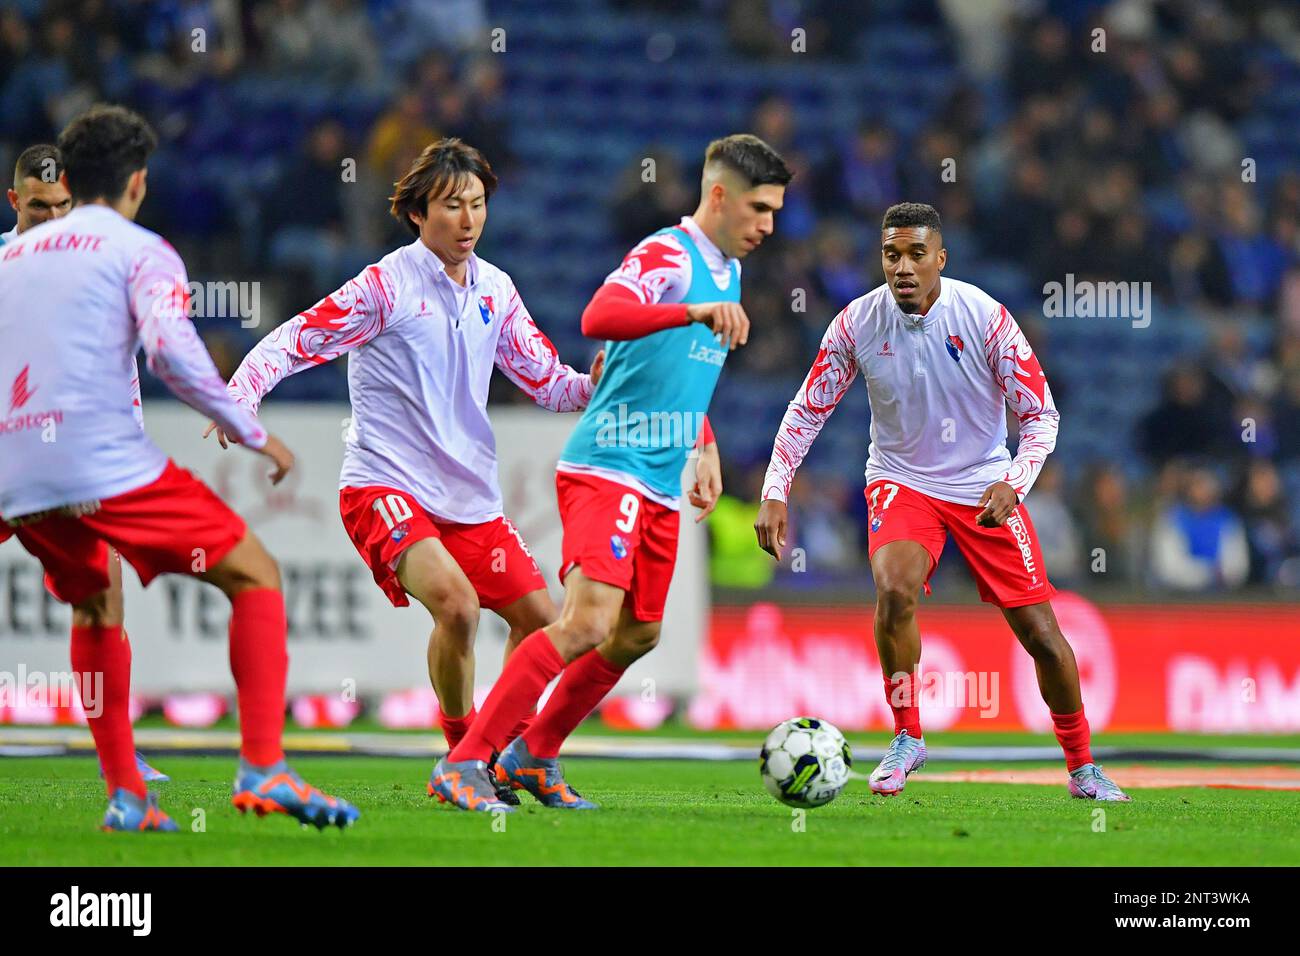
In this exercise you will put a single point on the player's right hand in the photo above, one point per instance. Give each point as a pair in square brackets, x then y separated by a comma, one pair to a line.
[727, 320]
[225, 440]
[771, 527]
[275, 450]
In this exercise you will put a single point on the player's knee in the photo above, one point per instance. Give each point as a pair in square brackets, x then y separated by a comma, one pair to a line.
[637, 643]
[247, 567]
[586, 631]
[1045, 642]
[457, 614]
[895, 604]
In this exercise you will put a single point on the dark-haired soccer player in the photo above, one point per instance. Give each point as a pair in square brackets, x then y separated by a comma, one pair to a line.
[39, 195]
[670, 314]
[78, 297]
[941, 359]
[419, 492]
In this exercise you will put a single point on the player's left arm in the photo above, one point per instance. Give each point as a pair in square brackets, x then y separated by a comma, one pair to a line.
[526, 356]
[156, 290]
[1017, 371]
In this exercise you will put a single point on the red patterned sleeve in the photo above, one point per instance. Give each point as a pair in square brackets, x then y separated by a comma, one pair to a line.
[1021, 378]
[526, 356]
[158, 290]
[336, 324]
[833, 371]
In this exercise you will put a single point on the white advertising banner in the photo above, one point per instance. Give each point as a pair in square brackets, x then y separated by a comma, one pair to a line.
[341, 626]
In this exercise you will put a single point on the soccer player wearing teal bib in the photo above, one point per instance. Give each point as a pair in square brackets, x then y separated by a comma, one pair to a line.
[669, 314]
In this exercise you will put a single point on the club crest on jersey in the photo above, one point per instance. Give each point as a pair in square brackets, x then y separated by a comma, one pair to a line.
[401, 531]
[485, 308]
[955, 347]
[618, 546]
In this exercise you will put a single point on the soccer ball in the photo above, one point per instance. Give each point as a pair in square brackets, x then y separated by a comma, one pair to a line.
[805, 762]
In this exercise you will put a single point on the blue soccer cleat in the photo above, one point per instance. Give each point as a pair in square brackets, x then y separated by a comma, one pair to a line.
[149, 774]
[128, 813]
[1089, 783]
[466, 784]
[905, 754]
[540, 776]
[278, 789]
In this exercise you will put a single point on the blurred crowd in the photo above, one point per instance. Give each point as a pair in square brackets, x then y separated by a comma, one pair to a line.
[1125, 166]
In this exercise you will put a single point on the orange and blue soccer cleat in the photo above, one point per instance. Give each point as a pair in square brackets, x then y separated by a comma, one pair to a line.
[149, 774]
[277, 789]
[466, 784]
[540, 776]
[128, 813]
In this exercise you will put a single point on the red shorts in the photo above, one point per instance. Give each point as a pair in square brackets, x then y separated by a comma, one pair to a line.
[618, 537]
[384, 522]
[175, 524]
[1006, 561]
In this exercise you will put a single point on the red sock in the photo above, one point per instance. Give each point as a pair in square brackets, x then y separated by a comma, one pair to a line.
[521, 728]
[259, 659]
[531, 667]
[1075, 738]
[455, 728]
[101, 656]
[585, 683]
[904, 696]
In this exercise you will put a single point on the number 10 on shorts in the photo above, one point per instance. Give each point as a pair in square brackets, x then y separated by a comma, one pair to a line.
[393, 509]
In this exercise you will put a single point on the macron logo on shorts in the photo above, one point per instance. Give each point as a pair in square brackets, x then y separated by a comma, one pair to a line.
[1017, 527]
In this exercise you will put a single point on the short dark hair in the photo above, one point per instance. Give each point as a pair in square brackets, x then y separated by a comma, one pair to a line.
[102, 148]
[906, 214]
[442, 166]
[41, 161]
[750, 157]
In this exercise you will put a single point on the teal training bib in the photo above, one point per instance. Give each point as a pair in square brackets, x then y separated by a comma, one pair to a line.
[649, 408]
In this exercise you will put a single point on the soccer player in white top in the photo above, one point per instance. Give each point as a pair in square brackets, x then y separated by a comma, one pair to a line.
[78, 298]
[942, 359]
[39, 195]
[419, 493]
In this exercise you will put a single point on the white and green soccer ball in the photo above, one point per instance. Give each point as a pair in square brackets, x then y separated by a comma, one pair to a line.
[805, 762]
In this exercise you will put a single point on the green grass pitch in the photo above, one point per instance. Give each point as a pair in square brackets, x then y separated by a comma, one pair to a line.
[655, 813]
